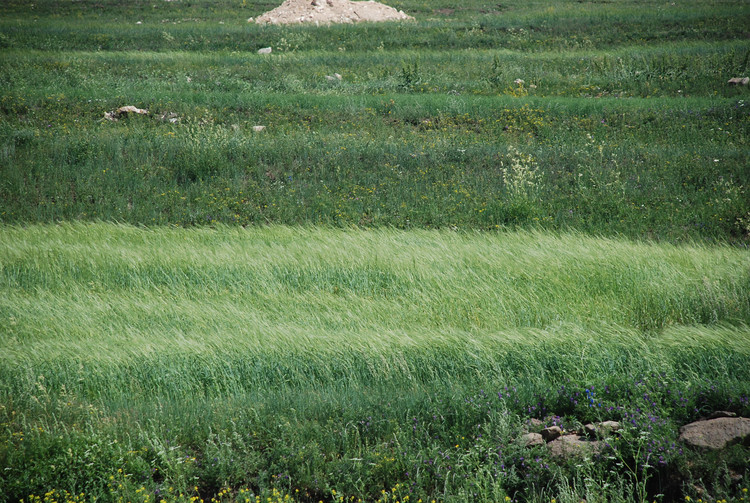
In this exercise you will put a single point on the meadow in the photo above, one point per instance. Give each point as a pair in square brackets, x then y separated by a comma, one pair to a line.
[371, 298]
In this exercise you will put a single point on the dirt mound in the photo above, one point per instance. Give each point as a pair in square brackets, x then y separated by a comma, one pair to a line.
[330, 11]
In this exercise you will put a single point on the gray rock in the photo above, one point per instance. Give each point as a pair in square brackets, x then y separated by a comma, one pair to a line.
[531, 439]
[721, 413]
[601, 430]
[716, 434]
[265, 50]
[573, 445]
[123, 112]
[551, 433]
[535, 425]
[739, 81]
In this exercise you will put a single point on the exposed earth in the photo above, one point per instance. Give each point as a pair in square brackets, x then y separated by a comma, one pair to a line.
[330, 11]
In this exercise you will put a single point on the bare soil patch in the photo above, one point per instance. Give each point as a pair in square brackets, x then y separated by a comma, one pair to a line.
[330, 11]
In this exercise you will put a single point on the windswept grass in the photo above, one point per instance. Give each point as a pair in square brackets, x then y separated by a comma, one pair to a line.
[268, 342]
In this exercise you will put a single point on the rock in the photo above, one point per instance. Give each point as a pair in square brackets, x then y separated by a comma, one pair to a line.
[265, 50]
[123, 112]
[739, 81]
[337, 75]
[716, 434]
[258, 129]
[131, 110]
[601, 430]
[170, 117]
[518, 82]
[535, 425]
[531, 439]
[551, 433]
[721, 413]
[330, 78]
[250, 19]
[573, 445]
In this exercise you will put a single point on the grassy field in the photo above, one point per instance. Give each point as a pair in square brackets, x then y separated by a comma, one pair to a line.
[347, 362]
[624, 124]
[370, 299]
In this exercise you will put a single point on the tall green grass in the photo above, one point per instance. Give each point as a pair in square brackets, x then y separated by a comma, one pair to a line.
[258, 345]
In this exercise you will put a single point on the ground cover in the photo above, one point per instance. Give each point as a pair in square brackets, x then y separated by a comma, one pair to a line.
[623, 124]
[219, 363]
[372, 297]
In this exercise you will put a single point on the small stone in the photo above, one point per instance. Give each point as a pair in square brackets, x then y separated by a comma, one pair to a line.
[535, 425]
[330, 78]
[573, 445]
[590, 430]
[601, 430]
[716, 434]
[265, 50]
[531, 439]
[115, 115]
[170, 117]
[518, 82]
[250, 19]
[739, 81]
[258, 129]
[130, 109]
[551, 433]
[337, 75]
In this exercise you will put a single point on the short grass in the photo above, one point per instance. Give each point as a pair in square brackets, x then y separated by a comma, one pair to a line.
[623, 125]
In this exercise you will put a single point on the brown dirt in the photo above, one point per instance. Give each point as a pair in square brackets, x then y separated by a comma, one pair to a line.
[330, 11]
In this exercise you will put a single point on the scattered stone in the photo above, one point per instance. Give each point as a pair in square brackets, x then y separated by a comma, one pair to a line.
[573, 445]
[121, 112]
[330, 78]
[716, 434]
[330, 11]
[337, 75]
[170, 117]
[531, 439]
[265, 50]
[250, 19]
[739, 81]
[258, 129]
[518, 82]
[551, 433]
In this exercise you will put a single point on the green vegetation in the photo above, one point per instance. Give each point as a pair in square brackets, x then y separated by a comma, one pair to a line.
[624, 124]
[330, 360]
[372, 297]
